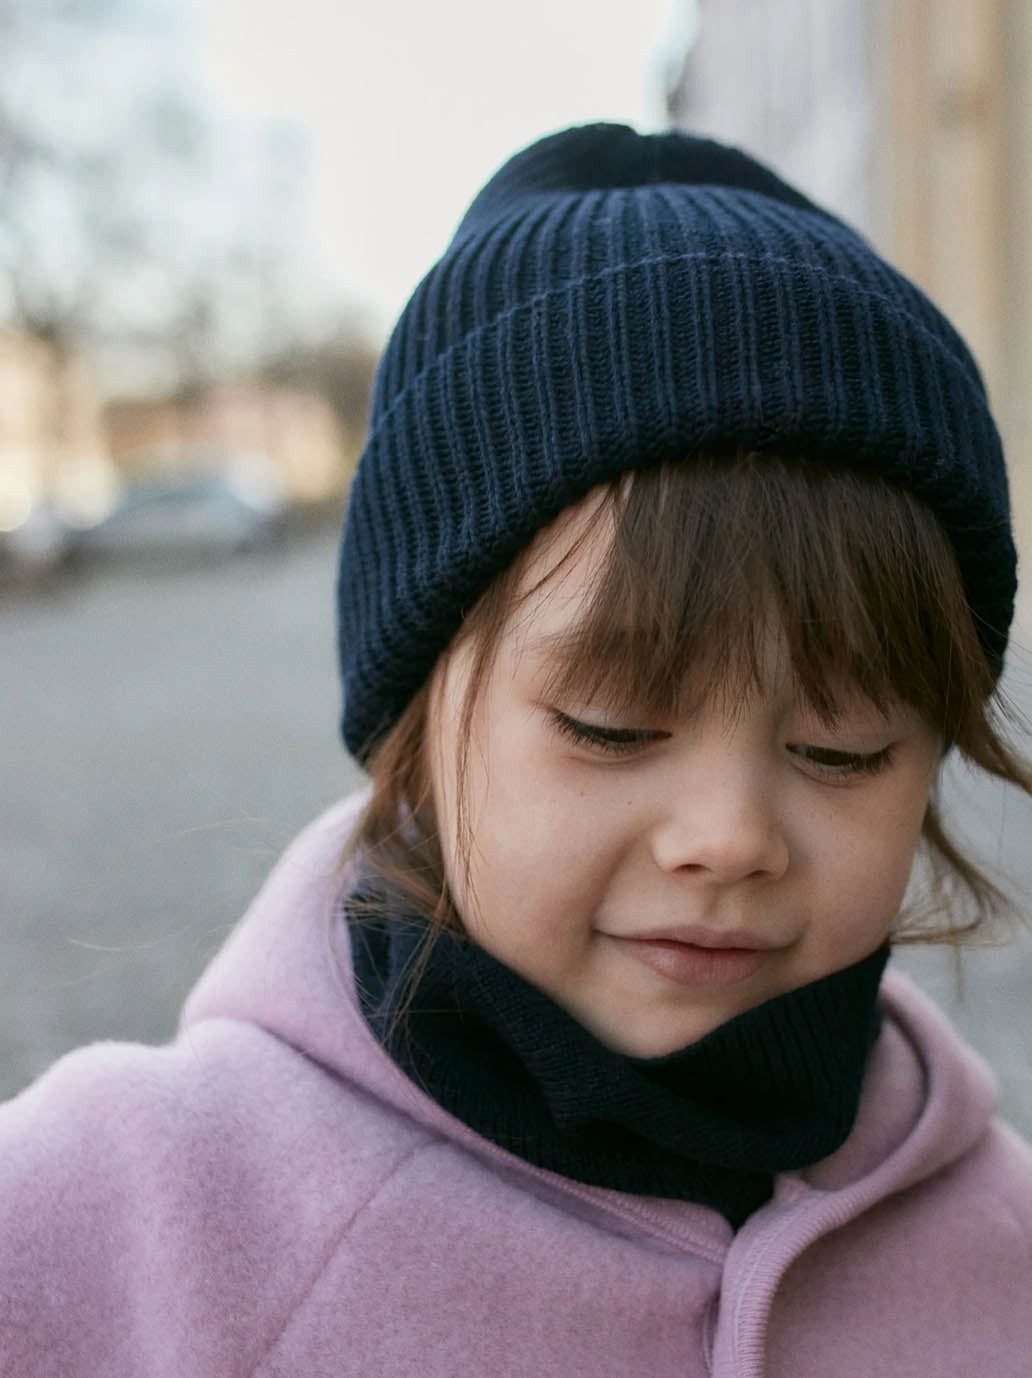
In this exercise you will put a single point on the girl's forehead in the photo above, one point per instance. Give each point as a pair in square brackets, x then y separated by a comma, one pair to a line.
[559, 579]
[569, 553]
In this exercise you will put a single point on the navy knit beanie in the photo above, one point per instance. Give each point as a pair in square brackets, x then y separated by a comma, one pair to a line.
[611, 301]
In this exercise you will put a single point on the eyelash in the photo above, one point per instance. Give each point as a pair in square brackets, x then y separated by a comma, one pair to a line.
[623, 741]
[847, 763]
[620, 741]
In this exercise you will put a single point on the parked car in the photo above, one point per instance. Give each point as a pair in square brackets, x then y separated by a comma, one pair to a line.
[36, 546]
[188, 517]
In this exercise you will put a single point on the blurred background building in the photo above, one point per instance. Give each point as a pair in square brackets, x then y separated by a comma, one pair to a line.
[910, 118]
[161, 307]
[52, 436]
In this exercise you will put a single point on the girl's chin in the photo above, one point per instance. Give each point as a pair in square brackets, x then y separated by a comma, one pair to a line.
[649, 1037]
[637, 1026]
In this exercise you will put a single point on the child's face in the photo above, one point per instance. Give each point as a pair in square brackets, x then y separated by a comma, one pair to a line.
[610, 852]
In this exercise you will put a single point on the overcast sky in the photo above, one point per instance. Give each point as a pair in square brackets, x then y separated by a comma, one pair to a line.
[411, 105]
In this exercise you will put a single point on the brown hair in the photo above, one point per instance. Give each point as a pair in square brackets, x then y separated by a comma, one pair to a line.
[860, 576]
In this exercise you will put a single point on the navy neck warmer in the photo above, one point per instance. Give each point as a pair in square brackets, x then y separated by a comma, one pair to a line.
[773, 1089]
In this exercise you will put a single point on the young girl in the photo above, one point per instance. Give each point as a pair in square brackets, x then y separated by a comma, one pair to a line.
[678, 559]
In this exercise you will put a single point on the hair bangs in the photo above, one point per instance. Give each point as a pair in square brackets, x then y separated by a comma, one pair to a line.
[713, 562]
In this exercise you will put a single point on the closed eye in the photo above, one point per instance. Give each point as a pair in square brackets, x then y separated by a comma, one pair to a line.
[618, 741]
[841, 764]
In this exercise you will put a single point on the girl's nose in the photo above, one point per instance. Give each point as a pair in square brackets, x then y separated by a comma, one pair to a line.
[723, 829]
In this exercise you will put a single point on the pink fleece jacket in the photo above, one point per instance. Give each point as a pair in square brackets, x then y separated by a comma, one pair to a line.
[270, 1196]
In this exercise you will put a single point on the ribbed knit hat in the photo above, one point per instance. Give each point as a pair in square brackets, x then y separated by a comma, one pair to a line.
[611, 301]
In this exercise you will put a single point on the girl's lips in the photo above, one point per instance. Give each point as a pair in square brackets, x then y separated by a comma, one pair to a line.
[689, 964]
[700, 935]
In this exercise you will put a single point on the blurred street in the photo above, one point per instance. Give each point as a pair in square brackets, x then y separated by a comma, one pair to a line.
[168, 730]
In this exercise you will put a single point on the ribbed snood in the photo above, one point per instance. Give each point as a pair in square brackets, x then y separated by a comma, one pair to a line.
[775, 1088]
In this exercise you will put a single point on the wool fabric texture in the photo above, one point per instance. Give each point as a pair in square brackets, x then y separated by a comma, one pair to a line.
[612, 301]
[773, 1089]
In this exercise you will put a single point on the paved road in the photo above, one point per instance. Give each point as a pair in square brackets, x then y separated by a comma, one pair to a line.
[167, 732]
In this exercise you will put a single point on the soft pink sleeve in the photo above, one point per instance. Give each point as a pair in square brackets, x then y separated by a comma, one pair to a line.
[163, 1211]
